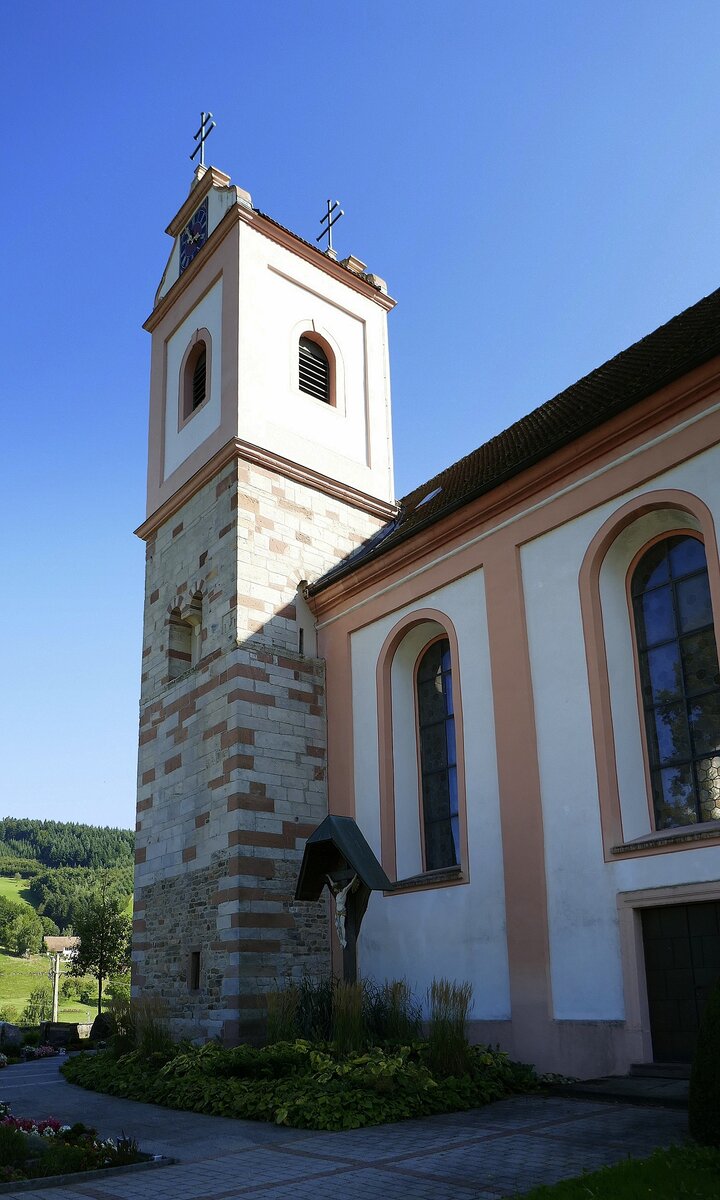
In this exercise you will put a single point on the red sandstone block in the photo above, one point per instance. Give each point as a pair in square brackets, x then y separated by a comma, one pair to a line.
[246, 671]
[172, 764]
[214, 730]
[243, 864]
[154, 595]
[256, 837]
[142, 805]
[139, 925]
[140, 855]
[224, 530]
[318, 773]
[177, 530]
[148, 776]
[148, 735]
[201, 820]
[256, 946]
[189, 853]
[253, 920]
[234, 736]
[246, 802]
[315, 751]
[202, 559]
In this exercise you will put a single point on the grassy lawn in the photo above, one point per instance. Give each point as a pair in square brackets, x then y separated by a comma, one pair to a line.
[15, 890]
[20, 976]
[681, 1173]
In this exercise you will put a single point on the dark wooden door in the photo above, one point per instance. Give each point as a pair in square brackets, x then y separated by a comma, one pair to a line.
[682, 962]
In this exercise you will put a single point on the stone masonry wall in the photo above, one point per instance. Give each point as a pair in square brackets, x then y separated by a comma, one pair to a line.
[231, 775]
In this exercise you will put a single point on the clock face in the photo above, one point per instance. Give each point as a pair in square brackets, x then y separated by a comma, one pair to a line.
[194, 235]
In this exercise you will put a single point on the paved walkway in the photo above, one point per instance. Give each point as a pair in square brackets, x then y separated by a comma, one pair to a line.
[498, 1151]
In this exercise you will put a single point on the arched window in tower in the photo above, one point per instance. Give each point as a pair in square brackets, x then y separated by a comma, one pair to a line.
[195, 377]
[315, 370]
[438, 759]
[679, 680]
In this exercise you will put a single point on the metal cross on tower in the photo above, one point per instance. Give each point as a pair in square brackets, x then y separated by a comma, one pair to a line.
[206, 127]
[332, 205]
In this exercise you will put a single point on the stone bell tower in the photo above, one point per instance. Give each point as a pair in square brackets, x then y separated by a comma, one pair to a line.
[269, 461]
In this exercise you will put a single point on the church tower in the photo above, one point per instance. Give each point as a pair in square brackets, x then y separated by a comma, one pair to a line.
[269, 461]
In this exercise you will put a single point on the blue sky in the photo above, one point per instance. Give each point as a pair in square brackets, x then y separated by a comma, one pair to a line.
[538, 183]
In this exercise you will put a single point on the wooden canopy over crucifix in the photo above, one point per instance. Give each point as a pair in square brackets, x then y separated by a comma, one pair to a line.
[338, 857]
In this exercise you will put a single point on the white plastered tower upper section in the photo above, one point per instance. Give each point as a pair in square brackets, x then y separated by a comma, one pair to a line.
[251, 292]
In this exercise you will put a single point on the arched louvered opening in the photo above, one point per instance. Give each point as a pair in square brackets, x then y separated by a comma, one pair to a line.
[195, 376]
[199, 380]
[314, 371]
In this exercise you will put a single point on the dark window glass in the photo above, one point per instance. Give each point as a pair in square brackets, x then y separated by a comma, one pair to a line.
[438, 764]
[680, 680]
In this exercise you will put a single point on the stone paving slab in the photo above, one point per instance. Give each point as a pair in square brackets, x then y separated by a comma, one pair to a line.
[498, 1151]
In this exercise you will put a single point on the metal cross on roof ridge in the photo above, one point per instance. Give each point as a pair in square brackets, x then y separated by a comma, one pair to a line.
[201, 136]
[327, 231]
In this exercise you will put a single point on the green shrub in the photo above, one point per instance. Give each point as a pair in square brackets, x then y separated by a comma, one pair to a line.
[349, 1032]
[38, 1007]
[301, 1084]
[282, 1014]
[13, 1148]
[704, 1096]
[448, 1050]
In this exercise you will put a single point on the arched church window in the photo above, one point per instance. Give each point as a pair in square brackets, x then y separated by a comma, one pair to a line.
[315, 370]
[195, 377]
[438, 759]
[679, 680]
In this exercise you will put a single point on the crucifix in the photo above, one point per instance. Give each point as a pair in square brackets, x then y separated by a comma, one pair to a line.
[337, 857]
[206, 127]
[332, 205]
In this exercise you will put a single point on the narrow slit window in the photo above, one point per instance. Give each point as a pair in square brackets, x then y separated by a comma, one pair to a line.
[314, 370]
[194, 980]
[438, 759]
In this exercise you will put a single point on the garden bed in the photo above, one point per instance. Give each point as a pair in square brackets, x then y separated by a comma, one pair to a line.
[34, 1150]
[303, 1084]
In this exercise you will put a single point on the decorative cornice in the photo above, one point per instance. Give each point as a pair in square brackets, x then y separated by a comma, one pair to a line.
[212, 178]
[268, 228]
[236, 448]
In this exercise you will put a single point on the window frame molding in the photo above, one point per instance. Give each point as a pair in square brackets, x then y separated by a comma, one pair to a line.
[611, 821]
[185, 410]
[445, 876]
[314, 332]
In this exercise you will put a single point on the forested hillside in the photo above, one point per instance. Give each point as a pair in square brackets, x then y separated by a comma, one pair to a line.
[65, 843]
[60, 865]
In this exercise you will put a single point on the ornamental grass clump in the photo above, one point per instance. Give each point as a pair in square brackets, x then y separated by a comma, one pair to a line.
[448, 1051]
[282, 1015]
[394, 1017]
[315, 1008]
[704, 1095]
[349, 1031]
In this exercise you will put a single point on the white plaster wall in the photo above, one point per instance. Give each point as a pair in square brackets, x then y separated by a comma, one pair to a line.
[179, 444]
[584, 948]
[281, 295]
[456, 931]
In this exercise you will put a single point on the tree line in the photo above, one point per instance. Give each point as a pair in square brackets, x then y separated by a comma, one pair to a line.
[64, 843]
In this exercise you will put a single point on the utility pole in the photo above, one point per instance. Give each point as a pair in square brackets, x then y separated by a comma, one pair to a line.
[55, 977]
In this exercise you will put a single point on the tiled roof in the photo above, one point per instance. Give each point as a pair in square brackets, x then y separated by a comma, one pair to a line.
[683, 343]
[366, 277]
